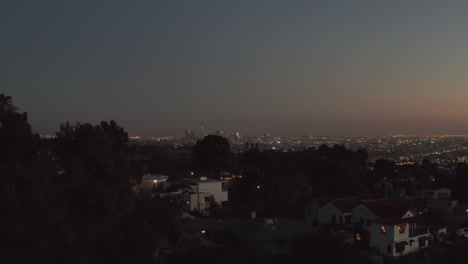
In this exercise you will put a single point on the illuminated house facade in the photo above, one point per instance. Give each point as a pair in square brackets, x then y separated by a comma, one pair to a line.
[398, 237]
[369, 210]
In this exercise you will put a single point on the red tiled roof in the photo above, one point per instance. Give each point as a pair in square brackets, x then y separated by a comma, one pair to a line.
[421, 220]
[386, 208]
[346, 205]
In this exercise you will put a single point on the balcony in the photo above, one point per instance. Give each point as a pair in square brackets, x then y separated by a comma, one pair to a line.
[418, 232]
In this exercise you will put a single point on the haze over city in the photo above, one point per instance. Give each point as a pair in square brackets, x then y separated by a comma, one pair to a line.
[283, 67]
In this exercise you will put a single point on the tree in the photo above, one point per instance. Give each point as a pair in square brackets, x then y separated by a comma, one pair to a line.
[17, 142]
[211, 155]
[73, 202]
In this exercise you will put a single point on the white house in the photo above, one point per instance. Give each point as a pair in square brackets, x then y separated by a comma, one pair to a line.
[371, 209]
[199, 201]
[436, 194]
[337, 211]
[212, 186]
[311, 210]
[398, 237]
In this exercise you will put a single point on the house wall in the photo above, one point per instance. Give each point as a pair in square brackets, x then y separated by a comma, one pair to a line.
[198, 200]
[403, 236]
[325, 214]
[412, 247]
[380, 241]
[212, 186]
[361, 211]
[215, 188]
[311, 212]
[441, 194]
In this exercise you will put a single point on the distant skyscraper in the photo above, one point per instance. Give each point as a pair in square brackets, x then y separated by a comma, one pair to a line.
[189, 134]
[225, 133]
[202, 132]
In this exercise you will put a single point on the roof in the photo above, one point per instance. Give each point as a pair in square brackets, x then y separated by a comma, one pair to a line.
[322, 201]
[421, 220]
[346, 205]
[204, 180]
[154, 177]
[386, 208]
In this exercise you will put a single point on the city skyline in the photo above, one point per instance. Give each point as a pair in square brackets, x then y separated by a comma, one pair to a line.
[337, 68]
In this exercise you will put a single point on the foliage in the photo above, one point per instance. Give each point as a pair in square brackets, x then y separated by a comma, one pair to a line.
[69, 200]
[211, 155]
[283, 182]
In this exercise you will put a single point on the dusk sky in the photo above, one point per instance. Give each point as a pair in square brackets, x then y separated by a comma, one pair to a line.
[285, 67]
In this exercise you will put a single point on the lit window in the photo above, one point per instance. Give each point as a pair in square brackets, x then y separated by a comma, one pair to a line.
[383, 229]
[401, 229]
[358, 237]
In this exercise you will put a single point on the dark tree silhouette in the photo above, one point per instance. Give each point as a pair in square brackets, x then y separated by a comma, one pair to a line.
[17, 142]
[211, 155]
[71, 201]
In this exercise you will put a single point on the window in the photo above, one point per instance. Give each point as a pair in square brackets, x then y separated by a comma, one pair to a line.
[389, 249]
[399, 248]
[368, 222]
[362, 221]
[422, 242]
[401, 229]
[383, 229]
[358, 237]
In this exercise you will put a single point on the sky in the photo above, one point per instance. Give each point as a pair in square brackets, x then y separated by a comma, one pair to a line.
[295, 67]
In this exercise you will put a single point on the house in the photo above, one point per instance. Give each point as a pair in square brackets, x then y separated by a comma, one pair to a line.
[337, 211]
[436, 194]
[196, 201]
[212, 186]
[368, 210]
[311, 210]
[398, 237]
[371, 209]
